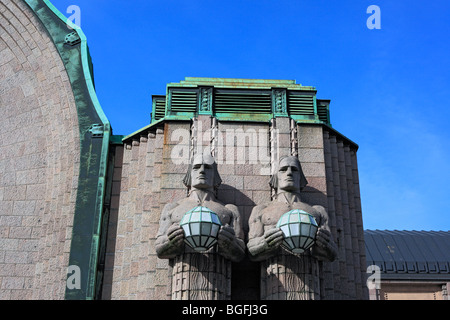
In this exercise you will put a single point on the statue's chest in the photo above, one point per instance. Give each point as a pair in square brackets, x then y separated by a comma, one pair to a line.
[273, 212]
[185, 206]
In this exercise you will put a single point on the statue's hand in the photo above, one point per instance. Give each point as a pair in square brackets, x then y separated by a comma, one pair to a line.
[226, 234]
[171, 243]
[274, 237]
[323, 237]
[229, 245]
[175, 234]
[325, 248]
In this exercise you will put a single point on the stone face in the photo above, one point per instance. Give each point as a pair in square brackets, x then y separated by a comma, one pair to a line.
[38, 155]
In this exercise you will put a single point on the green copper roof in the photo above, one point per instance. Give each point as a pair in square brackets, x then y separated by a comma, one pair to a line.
[246, 100]
[230, 99]
[95, 133]
[241, 83]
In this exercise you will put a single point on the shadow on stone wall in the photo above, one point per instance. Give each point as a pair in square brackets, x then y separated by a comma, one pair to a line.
[244, 274]
[245, 280]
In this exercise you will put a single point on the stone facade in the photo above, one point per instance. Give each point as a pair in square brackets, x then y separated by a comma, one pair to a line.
[346, 277]
[73, 194]
[39, 159]
[150, 179]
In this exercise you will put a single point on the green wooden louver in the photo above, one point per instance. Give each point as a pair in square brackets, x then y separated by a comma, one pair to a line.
[183, 101]
[158, 107]
[299, 104]
[242, 102]
[323, 110]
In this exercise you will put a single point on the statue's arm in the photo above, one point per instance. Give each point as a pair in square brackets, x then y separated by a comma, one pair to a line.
[170, 238]
[262, 245]
[236, 222]
[324, 249]
[231, 243]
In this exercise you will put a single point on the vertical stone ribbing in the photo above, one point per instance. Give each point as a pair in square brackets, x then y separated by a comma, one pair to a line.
[364, 294]
[344, 204]
[110, 253]
[346, 221]
[177, 148]
[134, 269]
[343, 271]
[333, 288]
[353, 225]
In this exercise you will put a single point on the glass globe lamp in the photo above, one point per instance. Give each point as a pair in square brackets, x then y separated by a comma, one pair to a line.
[201, 227]
[299, 229]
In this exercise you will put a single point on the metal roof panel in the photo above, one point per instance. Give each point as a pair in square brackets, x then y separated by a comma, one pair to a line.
[413, 252]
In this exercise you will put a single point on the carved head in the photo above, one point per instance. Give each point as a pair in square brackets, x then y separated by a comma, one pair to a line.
[202, 173]
[288, 175]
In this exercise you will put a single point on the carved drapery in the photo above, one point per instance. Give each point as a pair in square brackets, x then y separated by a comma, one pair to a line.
[201, 276]
[290, 277]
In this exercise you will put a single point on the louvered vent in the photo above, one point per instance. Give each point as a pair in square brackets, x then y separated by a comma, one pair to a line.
[242, 102]
[300, 104]
[183, 101]
[159, 107]
[322, 110]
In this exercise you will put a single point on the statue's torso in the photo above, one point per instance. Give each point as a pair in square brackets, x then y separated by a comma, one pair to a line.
[274, 210]
[286, 276]
[193, 273]
[187, 204]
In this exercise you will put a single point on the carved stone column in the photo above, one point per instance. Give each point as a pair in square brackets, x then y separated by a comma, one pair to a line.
[201, 276]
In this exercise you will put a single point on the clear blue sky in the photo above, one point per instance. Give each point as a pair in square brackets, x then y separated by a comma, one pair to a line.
[389, 87]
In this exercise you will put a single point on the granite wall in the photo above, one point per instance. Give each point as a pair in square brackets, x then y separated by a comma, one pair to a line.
[245, 152]
[39, 159]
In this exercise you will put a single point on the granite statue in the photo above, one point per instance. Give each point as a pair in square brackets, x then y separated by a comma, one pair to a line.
[265, 239]
[202, 181]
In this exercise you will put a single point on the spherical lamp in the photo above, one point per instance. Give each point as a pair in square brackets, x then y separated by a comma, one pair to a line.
[299, 229]
[201, 227]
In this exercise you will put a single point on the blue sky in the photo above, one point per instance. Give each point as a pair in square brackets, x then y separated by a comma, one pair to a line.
[389, 87]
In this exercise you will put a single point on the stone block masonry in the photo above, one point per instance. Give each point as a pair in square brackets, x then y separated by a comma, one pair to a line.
[345, 278]
[39, 159]
[150, 179]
